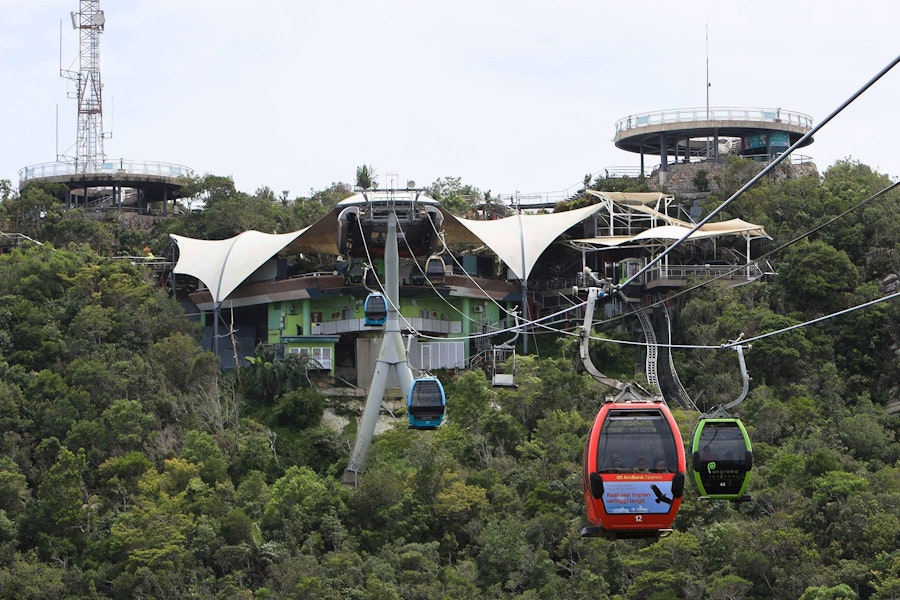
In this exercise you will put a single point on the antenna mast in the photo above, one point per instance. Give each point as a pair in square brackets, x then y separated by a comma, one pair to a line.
[708, 140]
[707, 72]
[89, 154]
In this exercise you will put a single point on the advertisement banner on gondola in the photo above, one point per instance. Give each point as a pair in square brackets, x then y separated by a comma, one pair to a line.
[650, 494]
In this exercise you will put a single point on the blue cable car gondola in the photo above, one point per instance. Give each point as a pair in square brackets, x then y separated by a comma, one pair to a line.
[375, 309]
[426, 403]
[722, 458]
[633, 471]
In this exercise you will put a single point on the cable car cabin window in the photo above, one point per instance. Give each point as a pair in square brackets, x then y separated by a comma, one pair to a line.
[721, 442]
[636, 441]
[426, 393]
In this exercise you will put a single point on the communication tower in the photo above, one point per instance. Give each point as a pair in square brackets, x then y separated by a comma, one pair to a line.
[94, 182]
[89, 155]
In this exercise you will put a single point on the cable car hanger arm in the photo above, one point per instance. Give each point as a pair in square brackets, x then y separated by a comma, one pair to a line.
[624, 388]
[722, 409]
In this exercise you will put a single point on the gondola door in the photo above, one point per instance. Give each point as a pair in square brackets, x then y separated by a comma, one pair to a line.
[633, 471]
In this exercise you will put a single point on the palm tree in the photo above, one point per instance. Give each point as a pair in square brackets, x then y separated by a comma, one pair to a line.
[365, 177]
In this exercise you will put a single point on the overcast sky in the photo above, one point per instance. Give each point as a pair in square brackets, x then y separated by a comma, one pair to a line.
[511, 95]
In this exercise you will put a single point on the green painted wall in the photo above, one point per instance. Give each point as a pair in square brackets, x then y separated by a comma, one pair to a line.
[300, 312]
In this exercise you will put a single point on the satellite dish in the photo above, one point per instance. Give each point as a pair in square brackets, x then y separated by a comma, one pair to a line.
[99, 19]
[410, 184]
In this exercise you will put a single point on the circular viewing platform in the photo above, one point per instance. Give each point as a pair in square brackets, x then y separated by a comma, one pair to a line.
[687, 132]
[102, 186]
[118, 172]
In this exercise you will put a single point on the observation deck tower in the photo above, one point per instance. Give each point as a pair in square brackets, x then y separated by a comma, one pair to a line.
[95, 182]
[691, 134]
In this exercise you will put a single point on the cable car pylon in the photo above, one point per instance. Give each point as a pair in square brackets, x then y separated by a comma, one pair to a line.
[391, 357]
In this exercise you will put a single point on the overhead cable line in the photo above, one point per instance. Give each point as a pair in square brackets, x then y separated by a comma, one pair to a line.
[430, 283]
[511, 329]
[441, 235]
[814, 321]
[753, 339]
[429, 337]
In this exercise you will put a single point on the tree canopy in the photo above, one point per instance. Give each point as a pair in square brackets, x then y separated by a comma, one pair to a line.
[132, 467]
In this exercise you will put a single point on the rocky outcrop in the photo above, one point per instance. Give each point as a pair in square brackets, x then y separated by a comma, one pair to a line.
[689, 179]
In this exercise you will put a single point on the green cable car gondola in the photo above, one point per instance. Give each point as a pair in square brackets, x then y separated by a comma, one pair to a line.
[722, 458]
[721, 453]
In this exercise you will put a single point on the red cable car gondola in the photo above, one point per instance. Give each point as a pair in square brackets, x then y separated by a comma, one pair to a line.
[632, 471]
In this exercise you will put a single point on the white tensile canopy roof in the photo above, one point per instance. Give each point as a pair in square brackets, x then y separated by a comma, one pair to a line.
[519, 240]
[222, 265]
[676, 232]
[672, 230]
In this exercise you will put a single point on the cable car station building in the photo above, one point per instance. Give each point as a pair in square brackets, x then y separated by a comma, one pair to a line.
[487, 266]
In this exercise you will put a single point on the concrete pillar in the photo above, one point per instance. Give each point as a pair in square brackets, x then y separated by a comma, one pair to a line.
[307, 326]
[663, 160]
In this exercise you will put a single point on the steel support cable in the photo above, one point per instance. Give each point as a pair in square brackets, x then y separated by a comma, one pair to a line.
[759, 337]
[370, 265]
[514, 329]
[536, 322]
[761, 174]
[729, 345]
[430, 284]
[814, 321]
[469, 337]
[709, 347]
[442, 237]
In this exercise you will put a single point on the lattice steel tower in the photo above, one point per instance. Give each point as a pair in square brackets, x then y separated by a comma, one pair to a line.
[89, 154]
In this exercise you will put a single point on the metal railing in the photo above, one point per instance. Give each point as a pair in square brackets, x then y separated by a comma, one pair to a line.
[358, 324]
[133, 167]
[727, 272]
[688, 115]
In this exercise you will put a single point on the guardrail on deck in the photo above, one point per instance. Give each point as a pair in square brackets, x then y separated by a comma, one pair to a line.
[135, 167]
[690, 115]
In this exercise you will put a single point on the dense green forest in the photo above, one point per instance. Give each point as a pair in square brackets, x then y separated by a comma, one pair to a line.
[131, 467]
